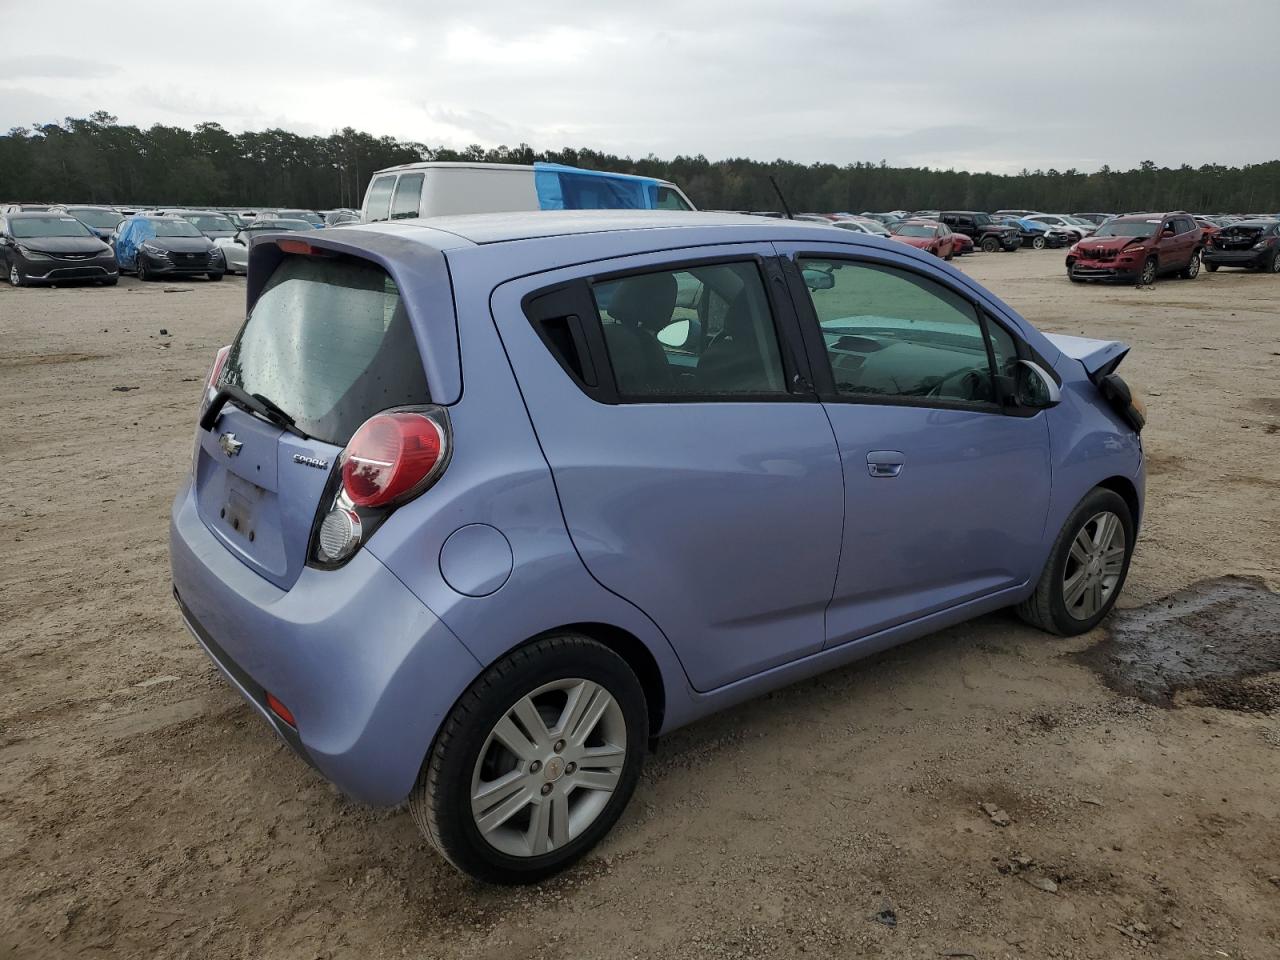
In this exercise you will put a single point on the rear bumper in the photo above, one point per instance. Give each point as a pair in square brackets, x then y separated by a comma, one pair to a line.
[1236, 258]
[368, 672]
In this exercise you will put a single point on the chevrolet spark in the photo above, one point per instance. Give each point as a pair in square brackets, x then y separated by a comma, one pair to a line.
[479, 505]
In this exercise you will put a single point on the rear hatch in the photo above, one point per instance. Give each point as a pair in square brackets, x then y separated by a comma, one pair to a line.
[328, 343]
[1237, 238]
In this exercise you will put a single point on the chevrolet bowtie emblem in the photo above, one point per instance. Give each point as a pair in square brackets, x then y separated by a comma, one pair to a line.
[229, 444]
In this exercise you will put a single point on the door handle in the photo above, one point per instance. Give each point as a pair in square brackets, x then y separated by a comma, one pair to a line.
[885, 463]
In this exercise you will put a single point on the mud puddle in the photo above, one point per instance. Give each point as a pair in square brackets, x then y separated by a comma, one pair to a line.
[1206, 641]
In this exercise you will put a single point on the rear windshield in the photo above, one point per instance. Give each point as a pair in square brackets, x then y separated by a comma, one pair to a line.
[915, 230]
[329, 342]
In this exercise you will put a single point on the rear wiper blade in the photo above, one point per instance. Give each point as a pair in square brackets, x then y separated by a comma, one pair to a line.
[254, 403]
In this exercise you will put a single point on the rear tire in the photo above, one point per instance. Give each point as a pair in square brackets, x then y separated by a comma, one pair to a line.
[454, 802]
[1211, 267]
[1274, 266]
[143, 275]
[1081, 549]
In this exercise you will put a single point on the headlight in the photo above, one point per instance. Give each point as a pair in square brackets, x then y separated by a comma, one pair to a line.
[31, 254]
[154, 251]
[215, 252]
[1260, 245]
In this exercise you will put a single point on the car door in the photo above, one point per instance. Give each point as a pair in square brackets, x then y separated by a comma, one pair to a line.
[946, 489]
[1169, 246]
[696, 470]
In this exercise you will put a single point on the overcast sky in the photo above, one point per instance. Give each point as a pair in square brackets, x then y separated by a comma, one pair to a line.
[997, 85]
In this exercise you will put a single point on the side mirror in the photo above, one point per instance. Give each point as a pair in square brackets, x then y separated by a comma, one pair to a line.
[1034, 387]
[816, 279]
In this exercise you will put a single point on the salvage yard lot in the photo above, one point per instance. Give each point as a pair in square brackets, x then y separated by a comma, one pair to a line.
[144, 811]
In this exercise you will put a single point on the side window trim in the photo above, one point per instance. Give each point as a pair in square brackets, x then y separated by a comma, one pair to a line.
[577, 293]
[816, 349]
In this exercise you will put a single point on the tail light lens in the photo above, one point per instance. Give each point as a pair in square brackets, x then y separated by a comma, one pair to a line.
[392, 458]
[219, 361]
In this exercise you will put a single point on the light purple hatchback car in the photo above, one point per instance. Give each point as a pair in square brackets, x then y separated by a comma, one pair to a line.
[479, 505]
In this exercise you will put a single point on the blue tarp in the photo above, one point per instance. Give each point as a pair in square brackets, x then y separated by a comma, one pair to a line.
[570, 188]
[132, 234]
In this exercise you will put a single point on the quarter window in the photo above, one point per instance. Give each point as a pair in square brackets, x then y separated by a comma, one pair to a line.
[669, 199]
[700, 332]
[408, 195]
[894, 335]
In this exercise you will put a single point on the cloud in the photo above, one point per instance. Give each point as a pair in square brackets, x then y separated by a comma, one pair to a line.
[910, 82]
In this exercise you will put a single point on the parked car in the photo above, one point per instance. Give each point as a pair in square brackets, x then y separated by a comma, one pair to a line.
[888, 219]
[485, 602]
[1040, 236]
[155, 247]
[37, 248]
[1137, 249]
[1252, 244]
[340, 216]
[982, 230]
[1016, 213]
[212, 223]
[310, 216]
[437, 189]
[24, 207]
[1078, 228]
[235, 250]
[928, 235]
[101, 220]
[960, 244]
[865, 225]
[1094, 218]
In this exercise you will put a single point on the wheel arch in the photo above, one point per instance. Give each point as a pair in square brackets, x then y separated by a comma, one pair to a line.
[1128, 492]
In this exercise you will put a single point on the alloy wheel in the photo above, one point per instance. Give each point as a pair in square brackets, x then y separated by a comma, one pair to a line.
[1094, 565]
[15, 278]
[548, 767]
[1193, 268]
[1148, 273]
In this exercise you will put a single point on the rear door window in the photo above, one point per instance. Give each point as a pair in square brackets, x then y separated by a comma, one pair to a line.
[330, 343]
[407, 197]
[379, 201]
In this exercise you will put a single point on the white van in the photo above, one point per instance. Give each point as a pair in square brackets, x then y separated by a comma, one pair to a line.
[436, 189]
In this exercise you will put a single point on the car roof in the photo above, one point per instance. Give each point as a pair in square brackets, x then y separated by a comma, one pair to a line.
[484, 228]
[35, 214]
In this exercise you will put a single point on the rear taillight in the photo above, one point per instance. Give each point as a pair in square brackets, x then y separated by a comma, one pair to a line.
[219, 361]
[392, 458]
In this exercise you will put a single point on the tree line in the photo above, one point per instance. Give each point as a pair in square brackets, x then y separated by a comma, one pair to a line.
[96, 159]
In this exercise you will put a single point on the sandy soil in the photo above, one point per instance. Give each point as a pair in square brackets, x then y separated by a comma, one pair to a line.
[145, 812]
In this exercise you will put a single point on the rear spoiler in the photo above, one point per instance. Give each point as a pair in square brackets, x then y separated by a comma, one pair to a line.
[1100, 359]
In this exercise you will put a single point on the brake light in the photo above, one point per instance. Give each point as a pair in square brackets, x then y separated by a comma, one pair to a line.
[295, 246]
[392, 457]
[219, 361]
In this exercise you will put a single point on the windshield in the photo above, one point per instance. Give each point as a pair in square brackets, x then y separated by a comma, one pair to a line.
[102, 219]
[210, 222]
[915, 230]
[175, 228]
[1128, 228]
[330, 343]
[1079, 222]
[25, 227]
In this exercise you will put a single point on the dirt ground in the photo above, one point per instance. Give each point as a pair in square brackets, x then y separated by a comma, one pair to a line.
[146, 812]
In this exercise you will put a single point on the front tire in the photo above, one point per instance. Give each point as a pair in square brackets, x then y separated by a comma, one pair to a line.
[1274, 265]
[143, 275]
[1037, 243]
[536, 761]
[1086, 569]
[214, 276]
[16, 278]
[990, 244]
[1149, 271]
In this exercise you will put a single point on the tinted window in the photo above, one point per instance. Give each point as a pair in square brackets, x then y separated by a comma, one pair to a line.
[330, 343]
[51, 226]
[696, 332]
[668, 199]
[894, 334]
[408, 194]
[102, 219]
[379, 200]
[211, 222]
[1128, 228]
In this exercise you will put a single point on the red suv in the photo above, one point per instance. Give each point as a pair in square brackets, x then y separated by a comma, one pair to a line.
[1138, 248]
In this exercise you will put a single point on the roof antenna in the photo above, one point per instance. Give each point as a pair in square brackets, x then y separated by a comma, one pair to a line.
[778, 190]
